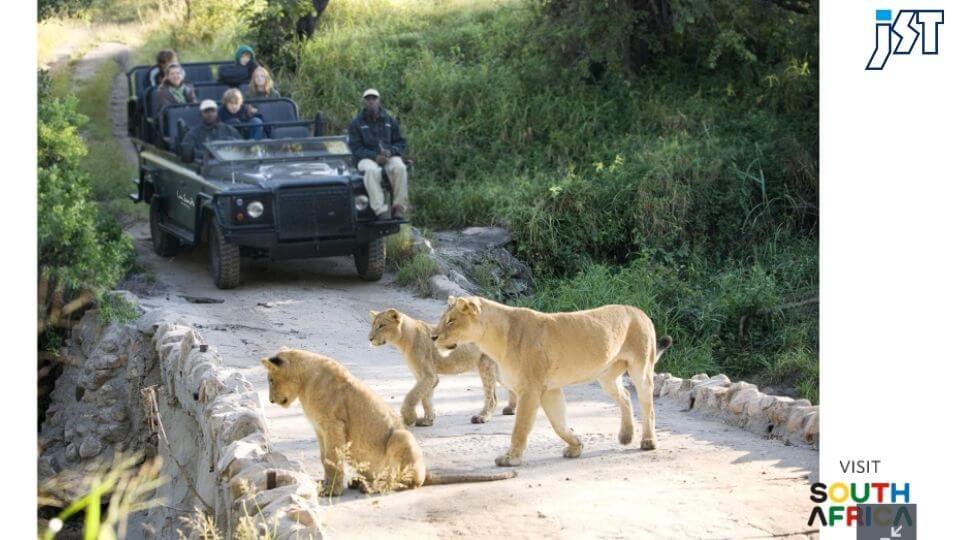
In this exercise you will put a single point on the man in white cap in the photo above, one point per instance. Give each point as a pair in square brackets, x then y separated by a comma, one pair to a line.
[210, 129]
[377, 145]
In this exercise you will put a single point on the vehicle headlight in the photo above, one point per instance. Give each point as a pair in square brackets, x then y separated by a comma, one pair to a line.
[255, 209]
[362, 202]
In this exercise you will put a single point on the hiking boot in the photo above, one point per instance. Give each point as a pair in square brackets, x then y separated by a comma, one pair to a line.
[398, 212]
[383, 216]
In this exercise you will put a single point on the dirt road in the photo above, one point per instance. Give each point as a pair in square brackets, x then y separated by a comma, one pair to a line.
[706, 480]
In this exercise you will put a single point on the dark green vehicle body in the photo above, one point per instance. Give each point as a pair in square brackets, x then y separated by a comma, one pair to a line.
[313, 203]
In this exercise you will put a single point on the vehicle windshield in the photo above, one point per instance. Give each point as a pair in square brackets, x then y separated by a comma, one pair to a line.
[275, 149]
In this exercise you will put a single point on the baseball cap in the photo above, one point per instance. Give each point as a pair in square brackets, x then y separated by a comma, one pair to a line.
[371, 92]
[207, 104]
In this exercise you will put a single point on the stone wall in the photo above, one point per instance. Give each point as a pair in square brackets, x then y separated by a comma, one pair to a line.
[218, 442]
[741, 404]
[154, 386]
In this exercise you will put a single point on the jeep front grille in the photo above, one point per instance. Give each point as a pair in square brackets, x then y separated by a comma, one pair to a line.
[313, 212]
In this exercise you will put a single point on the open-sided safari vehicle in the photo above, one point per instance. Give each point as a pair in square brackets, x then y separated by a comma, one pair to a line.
[292, 194]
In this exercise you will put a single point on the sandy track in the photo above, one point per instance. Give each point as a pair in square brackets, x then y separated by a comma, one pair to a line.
[706, 479]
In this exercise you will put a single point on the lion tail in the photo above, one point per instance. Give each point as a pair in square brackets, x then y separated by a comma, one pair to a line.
[434, 479]
[663, 344]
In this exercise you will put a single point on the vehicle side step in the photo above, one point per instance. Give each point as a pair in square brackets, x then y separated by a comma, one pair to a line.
[180, 232]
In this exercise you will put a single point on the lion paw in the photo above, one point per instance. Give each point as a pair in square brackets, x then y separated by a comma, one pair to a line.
[626, 436]
[507, 460]
[334, 490]
[480, 419]
[509, 411]
[648, 444]
[424, 422]
[573, 451]
[409, 416]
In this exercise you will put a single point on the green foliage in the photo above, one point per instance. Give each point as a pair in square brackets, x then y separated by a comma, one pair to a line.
[416, 271]
[61, 8]
[80, 251]
[116, 308]
[272, 29]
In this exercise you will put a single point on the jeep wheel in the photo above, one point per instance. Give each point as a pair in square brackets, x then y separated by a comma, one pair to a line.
[371, 259]
[224, 258]
[164, 243]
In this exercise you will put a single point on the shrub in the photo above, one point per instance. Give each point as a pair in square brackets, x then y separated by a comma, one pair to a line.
[80, 253]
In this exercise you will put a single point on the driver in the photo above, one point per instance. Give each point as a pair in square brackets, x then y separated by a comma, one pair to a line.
[376, 144]
[210, 129]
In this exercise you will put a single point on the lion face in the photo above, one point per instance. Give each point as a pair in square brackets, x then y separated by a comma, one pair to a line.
[384, 327]
[460, 323]
[284, 386]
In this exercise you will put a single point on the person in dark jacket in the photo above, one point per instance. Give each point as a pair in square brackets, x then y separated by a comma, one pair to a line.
[377, 145]
[246, 58]
[233, 111]
[174, 90]
[210, 129]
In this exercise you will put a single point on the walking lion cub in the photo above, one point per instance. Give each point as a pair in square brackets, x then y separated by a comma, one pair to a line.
[412, 338]
[540, 353]
[351, 422]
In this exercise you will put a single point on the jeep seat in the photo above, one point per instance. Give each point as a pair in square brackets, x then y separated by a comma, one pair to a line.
[276, 109]
[189, 113]
[289, 132]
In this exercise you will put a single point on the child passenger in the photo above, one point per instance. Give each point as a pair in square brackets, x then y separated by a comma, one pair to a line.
[233, 111]
[261, 85]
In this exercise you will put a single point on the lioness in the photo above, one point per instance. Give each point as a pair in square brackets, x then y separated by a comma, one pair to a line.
[540, 353]
[348, 416]
[412, 338]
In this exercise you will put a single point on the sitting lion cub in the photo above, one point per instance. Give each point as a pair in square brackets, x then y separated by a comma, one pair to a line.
[348, 417]
[540, 353]
[412, 338]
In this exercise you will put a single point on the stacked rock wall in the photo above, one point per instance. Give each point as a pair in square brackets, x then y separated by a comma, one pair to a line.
[741, 404]
[217, 451]
[154, 386]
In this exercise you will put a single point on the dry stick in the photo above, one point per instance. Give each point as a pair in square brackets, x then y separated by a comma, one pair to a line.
[149, 396]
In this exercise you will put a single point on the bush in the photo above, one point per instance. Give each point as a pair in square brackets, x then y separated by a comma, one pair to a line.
[80, 253]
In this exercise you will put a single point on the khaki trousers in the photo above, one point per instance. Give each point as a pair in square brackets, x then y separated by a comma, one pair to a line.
[396, 172]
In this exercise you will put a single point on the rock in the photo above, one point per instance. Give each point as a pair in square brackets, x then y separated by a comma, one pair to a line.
[757, 407]
[109, 361]
[740, 399]
[71, 453]
[125, 296]
[699, 377]
[811, 427]
[441, 287]
[90, 448]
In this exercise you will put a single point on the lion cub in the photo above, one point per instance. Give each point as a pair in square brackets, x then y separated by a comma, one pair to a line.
[348, 417]
[412, 338]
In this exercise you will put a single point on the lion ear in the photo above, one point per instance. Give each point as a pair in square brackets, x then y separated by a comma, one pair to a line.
[373, 314]
[393, 314]
[285, 348]
[451, 300]
[469, 306]
[273, 362]
[266, 363]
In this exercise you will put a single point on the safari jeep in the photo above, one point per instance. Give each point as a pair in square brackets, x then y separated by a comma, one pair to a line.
[294, 194]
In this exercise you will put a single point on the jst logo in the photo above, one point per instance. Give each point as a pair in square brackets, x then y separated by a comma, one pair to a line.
[900, 35]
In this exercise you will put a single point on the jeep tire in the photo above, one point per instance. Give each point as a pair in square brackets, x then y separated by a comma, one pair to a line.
[164, 243]
[370, 259]
[224, 258]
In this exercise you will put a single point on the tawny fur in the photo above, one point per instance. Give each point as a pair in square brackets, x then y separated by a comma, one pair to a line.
[540, 353]
[347, 415]
[412, 338]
